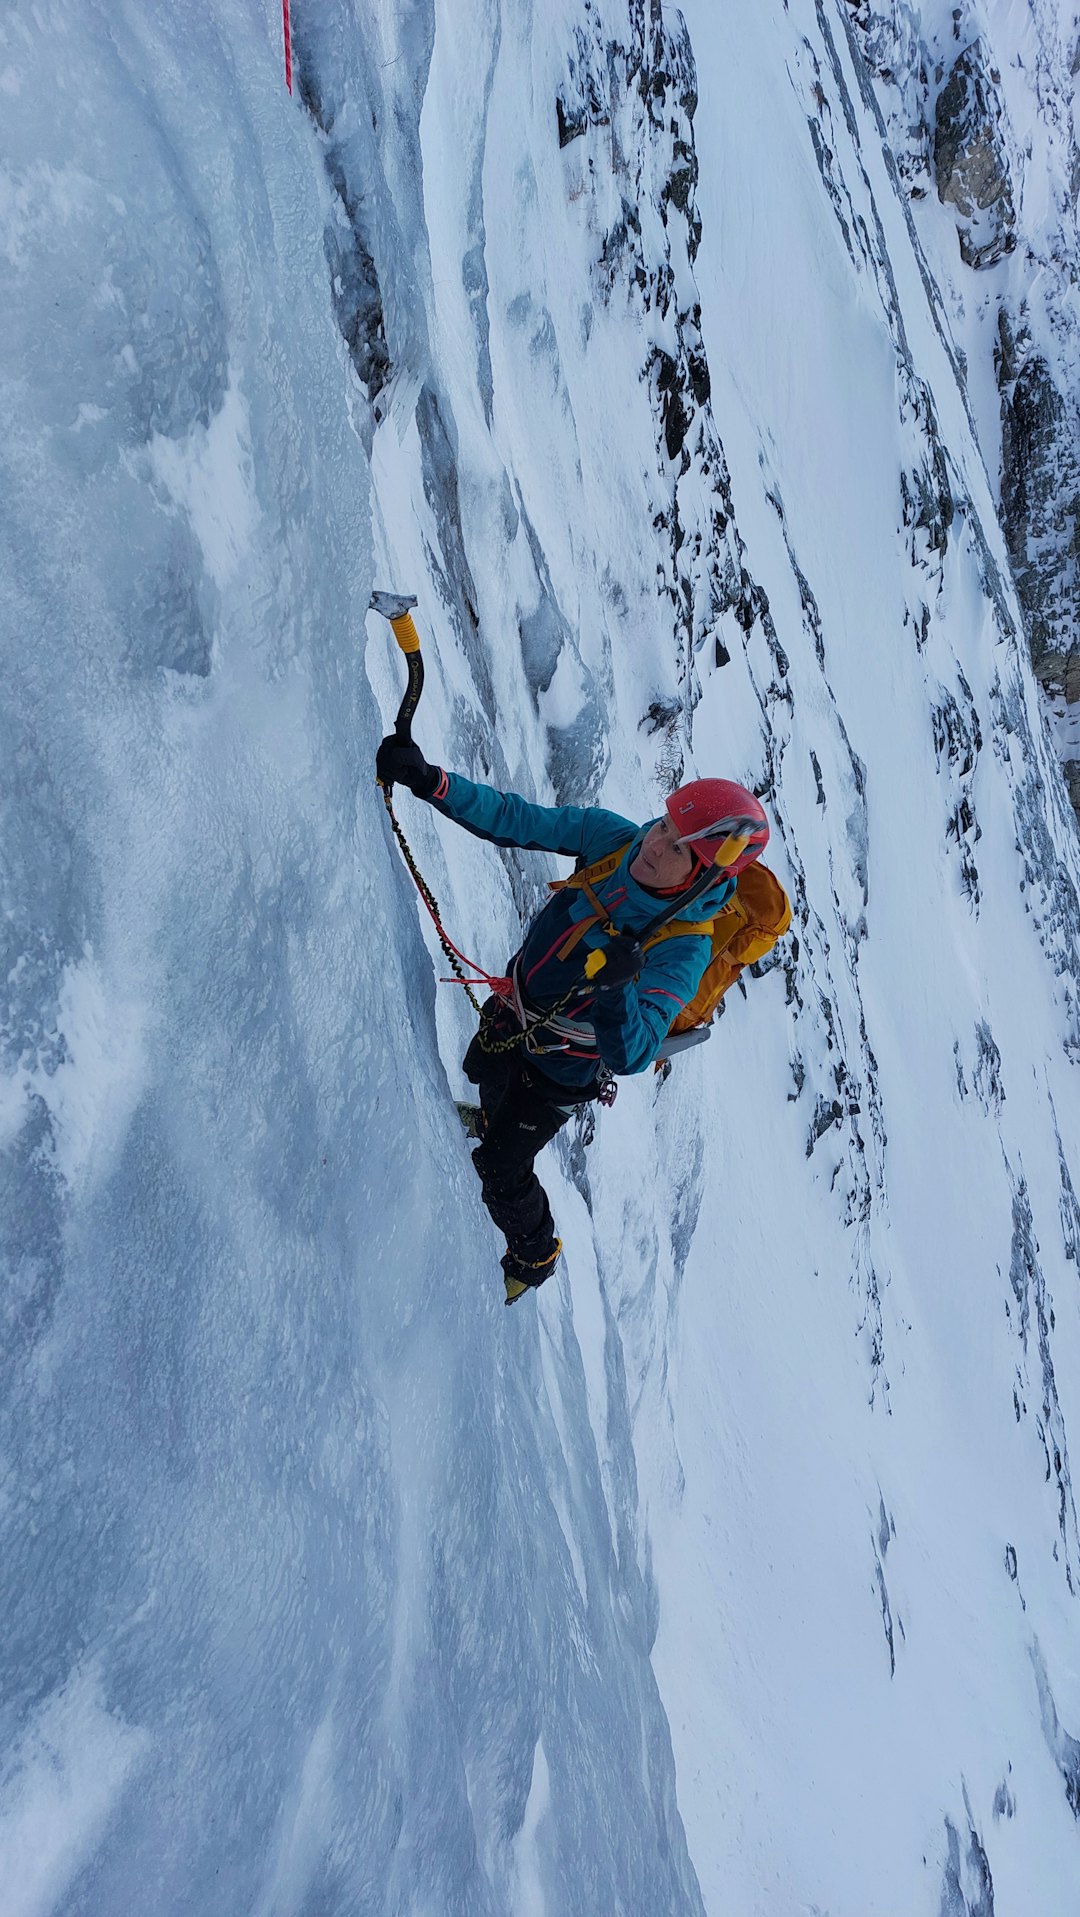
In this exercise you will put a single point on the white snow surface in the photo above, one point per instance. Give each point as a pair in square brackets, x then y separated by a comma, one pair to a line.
[737, 1571]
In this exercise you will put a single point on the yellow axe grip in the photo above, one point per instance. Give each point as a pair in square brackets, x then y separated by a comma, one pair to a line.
[594, 963]
[405, 633]
[731, 849]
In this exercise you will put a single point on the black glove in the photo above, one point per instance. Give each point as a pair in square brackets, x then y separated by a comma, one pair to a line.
[400, 762]
[623, 960]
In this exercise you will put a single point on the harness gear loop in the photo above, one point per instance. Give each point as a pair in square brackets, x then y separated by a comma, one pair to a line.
[530, 1023]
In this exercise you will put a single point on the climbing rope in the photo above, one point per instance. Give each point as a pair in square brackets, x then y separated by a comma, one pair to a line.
[457, 959]
[501, 987]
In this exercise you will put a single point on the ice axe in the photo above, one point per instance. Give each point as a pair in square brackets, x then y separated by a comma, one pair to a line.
[397, 607]
[724, 856]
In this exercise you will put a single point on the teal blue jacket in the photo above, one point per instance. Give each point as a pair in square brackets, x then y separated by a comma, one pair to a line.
[625, 1027]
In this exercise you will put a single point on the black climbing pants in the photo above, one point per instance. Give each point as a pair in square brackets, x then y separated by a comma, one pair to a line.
[523, 1110]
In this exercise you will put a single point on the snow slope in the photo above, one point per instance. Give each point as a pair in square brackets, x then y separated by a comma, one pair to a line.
[738, 1571]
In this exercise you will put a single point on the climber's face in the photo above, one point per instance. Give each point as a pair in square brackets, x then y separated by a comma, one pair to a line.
[662, 862]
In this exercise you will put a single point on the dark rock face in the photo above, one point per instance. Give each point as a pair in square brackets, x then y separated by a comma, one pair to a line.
[1040, 523]
[354, 284]
[971, 164]
[1040, 512]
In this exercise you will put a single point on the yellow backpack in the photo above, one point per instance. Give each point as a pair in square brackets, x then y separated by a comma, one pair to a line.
[746, 928]
[743, 931]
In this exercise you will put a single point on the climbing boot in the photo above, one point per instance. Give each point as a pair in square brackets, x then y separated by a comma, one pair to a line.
[522, 1274]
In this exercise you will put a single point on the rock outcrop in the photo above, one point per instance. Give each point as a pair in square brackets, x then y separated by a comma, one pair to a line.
[971, 162]
[1040, 512]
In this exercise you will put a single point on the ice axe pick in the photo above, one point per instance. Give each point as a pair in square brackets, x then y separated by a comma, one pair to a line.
[397, 608]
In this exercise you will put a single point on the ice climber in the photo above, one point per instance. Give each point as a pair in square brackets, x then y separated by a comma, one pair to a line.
[560, 1038]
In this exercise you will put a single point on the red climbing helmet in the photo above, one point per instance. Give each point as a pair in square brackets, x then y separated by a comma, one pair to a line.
[721, 822]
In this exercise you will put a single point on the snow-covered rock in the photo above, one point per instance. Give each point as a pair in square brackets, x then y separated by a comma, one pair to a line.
[982, 97]
[971, 159]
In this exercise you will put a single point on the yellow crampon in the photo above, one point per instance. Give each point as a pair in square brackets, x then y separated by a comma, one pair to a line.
[517, 1287]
